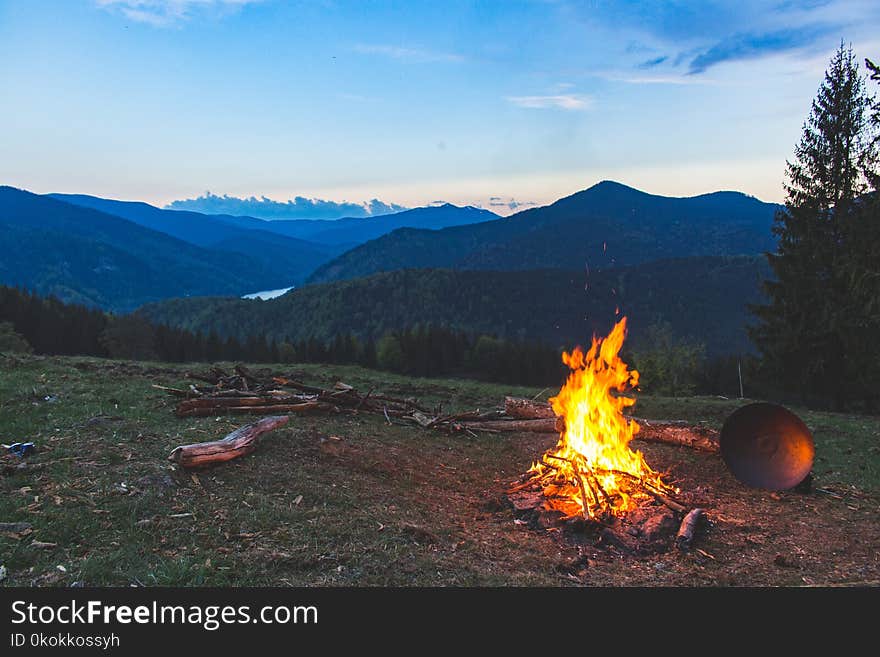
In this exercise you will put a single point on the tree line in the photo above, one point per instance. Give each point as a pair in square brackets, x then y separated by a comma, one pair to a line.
[671, 365]
[45, 325]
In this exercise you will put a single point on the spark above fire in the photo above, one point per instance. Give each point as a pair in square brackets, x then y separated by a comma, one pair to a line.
[592, 471]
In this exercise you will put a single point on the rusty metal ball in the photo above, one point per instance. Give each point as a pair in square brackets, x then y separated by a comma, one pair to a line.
[767, 446]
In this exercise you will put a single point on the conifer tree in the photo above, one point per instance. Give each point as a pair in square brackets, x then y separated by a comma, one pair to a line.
[803, 328]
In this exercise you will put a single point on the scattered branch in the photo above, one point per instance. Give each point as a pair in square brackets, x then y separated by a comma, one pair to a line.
[240, 442]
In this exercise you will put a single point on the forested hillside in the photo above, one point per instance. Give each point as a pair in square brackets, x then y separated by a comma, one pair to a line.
[84, 256]
[702, 298]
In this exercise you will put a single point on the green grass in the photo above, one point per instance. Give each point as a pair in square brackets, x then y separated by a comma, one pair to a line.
[342, 500]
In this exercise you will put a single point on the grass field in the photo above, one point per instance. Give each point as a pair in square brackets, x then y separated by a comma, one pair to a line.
[349, 500]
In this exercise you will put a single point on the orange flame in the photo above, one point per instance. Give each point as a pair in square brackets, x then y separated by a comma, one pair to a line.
[592, 470]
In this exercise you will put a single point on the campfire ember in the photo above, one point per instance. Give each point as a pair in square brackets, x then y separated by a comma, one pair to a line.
[592, 471]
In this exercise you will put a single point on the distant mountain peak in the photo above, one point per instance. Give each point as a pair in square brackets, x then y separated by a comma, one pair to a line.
[614, 187]
[612, 184]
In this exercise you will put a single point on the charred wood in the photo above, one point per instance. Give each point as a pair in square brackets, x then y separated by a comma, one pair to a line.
[685, 537]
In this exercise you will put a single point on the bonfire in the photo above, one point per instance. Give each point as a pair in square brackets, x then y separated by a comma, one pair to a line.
[592, 471]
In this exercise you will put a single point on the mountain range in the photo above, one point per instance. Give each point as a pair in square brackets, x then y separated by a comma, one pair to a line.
[118, 255]
[290, 258]
[608, 225]
[555, 273]
[310, 239]
[351, 231]
[85, 256]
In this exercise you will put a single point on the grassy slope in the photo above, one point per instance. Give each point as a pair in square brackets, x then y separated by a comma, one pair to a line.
[378, 506]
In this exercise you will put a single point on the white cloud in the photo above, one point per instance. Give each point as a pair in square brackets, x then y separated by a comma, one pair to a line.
[411, 54]
[163, 13]
[576, 102]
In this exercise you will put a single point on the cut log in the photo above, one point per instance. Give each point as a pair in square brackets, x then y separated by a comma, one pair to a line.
[290, 383]
[232, 392]
[305, 407]
[238, 443]
[701, 438]
[222, 402]
[672, 432]
[526, 409]
[233, 400]
[685, 536]
[538, 426]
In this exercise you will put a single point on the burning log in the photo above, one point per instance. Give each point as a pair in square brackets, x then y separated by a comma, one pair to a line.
[593, 454]
[240, 442]
[671, 432]
[685, 536]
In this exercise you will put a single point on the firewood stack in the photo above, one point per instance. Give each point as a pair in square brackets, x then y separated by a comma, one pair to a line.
[245, 393]
[242, 392]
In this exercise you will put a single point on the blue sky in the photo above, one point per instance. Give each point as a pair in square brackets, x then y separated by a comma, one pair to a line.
[411, 102]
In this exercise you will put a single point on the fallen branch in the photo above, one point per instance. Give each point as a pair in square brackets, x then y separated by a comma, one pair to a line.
[220, 401]
[305, 407]
[660, 497]
[685, 536]
[240, 442]
[441, 419]
[177, 392]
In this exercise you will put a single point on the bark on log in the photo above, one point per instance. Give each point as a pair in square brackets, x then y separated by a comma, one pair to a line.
[700, 438]
[290, 383]
[685, 536]
[526, 409]
[223, 401]
[238, 443]
[538, 426]
[305, 407]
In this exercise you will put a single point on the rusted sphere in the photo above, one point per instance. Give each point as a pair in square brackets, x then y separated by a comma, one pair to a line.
[767, 446]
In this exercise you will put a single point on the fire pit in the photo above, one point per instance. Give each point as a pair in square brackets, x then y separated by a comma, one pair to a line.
[592, 481]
